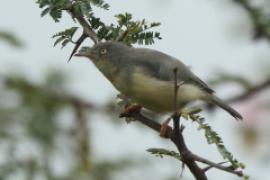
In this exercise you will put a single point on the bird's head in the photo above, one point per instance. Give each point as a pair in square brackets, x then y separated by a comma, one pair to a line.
[108, 57]
[104, 51]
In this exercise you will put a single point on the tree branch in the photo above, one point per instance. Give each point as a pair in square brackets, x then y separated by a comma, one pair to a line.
[178, 141]
[209, 167]
[250, 92]
[260, 28]
[216, 165]
[122, 36]
[86, 26]
[187, 157]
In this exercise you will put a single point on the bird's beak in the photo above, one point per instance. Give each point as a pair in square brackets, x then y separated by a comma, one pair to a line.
[81, 54]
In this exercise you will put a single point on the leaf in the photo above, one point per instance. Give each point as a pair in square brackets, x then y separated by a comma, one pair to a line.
[84, 49]
[126, 29]
[135, 31]
[45, 11]
[160, 152]
[10, 38]
[212, 137]
[65, 36]
[100, 3]
[53, 7]
[59, 40]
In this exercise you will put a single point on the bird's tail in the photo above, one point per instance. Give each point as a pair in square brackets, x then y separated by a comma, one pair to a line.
[217, 101]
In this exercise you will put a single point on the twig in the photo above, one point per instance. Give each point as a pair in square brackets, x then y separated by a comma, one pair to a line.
[259, 27]
[209, 167]
[176, 87]
[250, 92]
[178, 141]
[176, 116]
[216, 165]
[60, 97]
[86, 26]
[122, 37]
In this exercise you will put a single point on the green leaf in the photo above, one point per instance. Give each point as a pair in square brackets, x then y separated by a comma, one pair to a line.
[100, 3]
[53, 7]
[212, 137]
[84, 49]
[160, 152]
[45, 11]
[10, 38]
[65, 36]
[58, 40]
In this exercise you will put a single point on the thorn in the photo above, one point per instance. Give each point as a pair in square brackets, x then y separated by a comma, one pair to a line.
[77, 45]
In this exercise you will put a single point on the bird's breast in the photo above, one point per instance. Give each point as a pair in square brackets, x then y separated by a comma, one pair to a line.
[158, 95]
[152, 93]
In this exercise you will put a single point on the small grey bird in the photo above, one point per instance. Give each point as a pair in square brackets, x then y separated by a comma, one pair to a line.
[146, 76]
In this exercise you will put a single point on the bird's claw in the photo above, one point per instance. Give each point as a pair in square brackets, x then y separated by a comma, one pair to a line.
[129, 110]
[165, 128]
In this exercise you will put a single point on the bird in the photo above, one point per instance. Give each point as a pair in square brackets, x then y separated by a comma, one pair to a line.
[146, 76]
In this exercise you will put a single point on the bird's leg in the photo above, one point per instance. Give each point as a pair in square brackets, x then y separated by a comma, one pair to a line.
[164, 127]
[130, 109]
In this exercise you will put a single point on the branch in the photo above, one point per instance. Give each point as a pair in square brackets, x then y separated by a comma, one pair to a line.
[56, 96]
[260, 27]
[210, 166]
[178, 141]
[86, 26]
[250, 92]
[187, 157]
[216, 165]
[122, 37]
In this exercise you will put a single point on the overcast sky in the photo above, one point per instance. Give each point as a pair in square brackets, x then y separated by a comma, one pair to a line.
[209, 36]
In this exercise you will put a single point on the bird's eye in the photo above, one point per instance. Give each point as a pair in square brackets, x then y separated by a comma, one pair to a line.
[103, 51]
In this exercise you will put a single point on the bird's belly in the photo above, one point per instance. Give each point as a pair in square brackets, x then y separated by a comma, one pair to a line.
[158, 95]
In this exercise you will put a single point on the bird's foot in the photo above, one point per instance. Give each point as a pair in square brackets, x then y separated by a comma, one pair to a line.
[165, 128]
[130, 109]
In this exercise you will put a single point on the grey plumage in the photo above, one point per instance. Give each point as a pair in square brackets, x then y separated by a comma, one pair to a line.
[161, 66]
[121, 64]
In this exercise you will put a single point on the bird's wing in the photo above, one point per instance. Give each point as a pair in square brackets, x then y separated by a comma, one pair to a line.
[161, 66]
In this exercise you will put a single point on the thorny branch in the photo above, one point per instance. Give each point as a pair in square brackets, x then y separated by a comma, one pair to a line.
[187, 156]
[260, 28]
[249, 93]
[86, 27]
[87, 30]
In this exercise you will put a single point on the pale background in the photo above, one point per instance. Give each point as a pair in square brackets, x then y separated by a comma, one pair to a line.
[209, 36]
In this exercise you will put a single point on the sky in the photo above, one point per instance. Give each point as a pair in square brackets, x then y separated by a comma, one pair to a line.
[210, 36]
